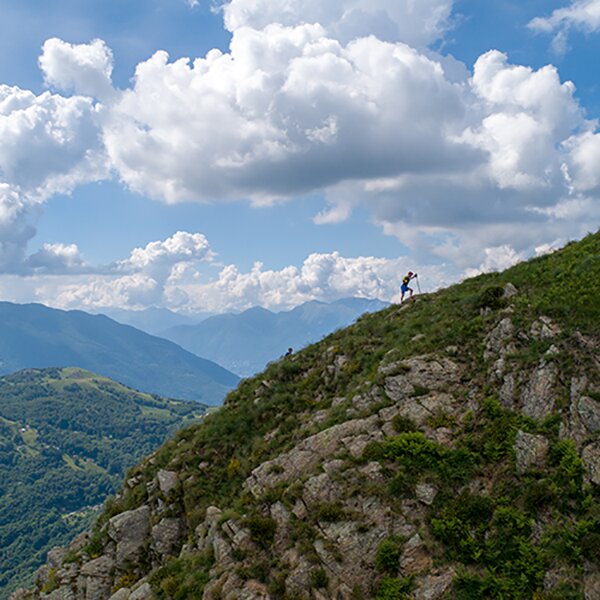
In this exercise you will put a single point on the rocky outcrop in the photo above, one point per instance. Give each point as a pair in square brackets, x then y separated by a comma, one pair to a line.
[353, 486]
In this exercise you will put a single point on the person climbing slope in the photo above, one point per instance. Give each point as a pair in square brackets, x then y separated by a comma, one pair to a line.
[404, 287]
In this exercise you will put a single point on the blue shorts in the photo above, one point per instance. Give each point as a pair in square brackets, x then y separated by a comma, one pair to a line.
[404, 288]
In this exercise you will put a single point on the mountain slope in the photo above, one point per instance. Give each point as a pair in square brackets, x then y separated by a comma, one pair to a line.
[66, 438]
[153, 320]
[447, 448]
[35, 336]
[246, 342]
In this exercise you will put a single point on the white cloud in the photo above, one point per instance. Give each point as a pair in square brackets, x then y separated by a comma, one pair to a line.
[50, 144]
[579, 14]
[163, 255]
[444, 159]
[85, 69]
[497, 258]
[323, 277]
[584, 14]
[415, 23]
[57, 258]
[287, 111]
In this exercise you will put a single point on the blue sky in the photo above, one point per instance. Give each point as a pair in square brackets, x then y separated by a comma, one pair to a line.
[467, 174]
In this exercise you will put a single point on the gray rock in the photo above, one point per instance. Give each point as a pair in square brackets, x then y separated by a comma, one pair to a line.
[426, 493]
[589, 413]
[167, 536]
[427, 372]
[130, 531]
[497, 340]
[415, 558]
[435, 585]
[591, 586]
[544, 329]
[509, 291]
[167, 481]
[591, 458]
[122, 594]
[307, 455]
[537, 398]
[507, 391]
[143, 592]
[530, 450]
[419, 409]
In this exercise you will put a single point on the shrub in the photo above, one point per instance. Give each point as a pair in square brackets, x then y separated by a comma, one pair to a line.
[392, 588]
[388, 556]
[330, 512]
[319, 578]
[262, 530]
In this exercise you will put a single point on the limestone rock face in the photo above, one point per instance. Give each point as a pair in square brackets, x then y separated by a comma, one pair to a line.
[530, 450]
[591, 458]
[498, 339]
[307, 455]
[537, 399]
[167, 536]
[130, 531]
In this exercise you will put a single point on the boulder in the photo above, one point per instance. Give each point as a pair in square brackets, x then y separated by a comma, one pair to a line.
[167, 481]
[167, 536]
[497, 340]
[130, 531]
[426, 493]
[143, 592]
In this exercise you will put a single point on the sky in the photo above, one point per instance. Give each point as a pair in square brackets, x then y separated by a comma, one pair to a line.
[212, 156]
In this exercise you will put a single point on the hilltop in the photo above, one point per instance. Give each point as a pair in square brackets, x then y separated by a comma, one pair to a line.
[67, 437]
[446, 448]
[35, 336]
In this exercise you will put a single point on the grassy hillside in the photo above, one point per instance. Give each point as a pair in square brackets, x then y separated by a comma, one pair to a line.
[448, 444]
[66, 438]
[35, 336]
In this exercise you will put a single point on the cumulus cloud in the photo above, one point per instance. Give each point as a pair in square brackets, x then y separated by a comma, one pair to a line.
[580, 14]
[325, 277]
[85, 69]
[57, 258]
[496, 259]
[344, 98]
[50, 144]
[415, 23]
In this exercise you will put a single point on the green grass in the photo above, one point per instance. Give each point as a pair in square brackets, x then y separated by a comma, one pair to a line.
[490, 534]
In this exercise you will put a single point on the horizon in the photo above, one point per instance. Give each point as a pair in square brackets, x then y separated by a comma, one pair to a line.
[198, 156]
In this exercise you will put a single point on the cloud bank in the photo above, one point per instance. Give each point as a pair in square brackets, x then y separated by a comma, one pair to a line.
[346, 98]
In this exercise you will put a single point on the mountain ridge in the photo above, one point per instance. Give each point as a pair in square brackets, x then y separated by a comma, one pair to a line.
[445, 448]
[245, 342]
[37, 336]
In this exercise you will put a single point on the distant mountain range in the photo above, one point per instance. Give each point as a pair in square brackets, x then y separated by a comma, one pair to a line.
[246, 342]
[35, 336]
[67, 437]
[153, 320]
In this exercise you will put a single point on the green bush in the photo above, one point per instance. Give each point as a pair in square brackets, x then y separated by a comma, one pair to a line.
[388, 556]
[262, 529]
[392, 588]
[319, 578]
